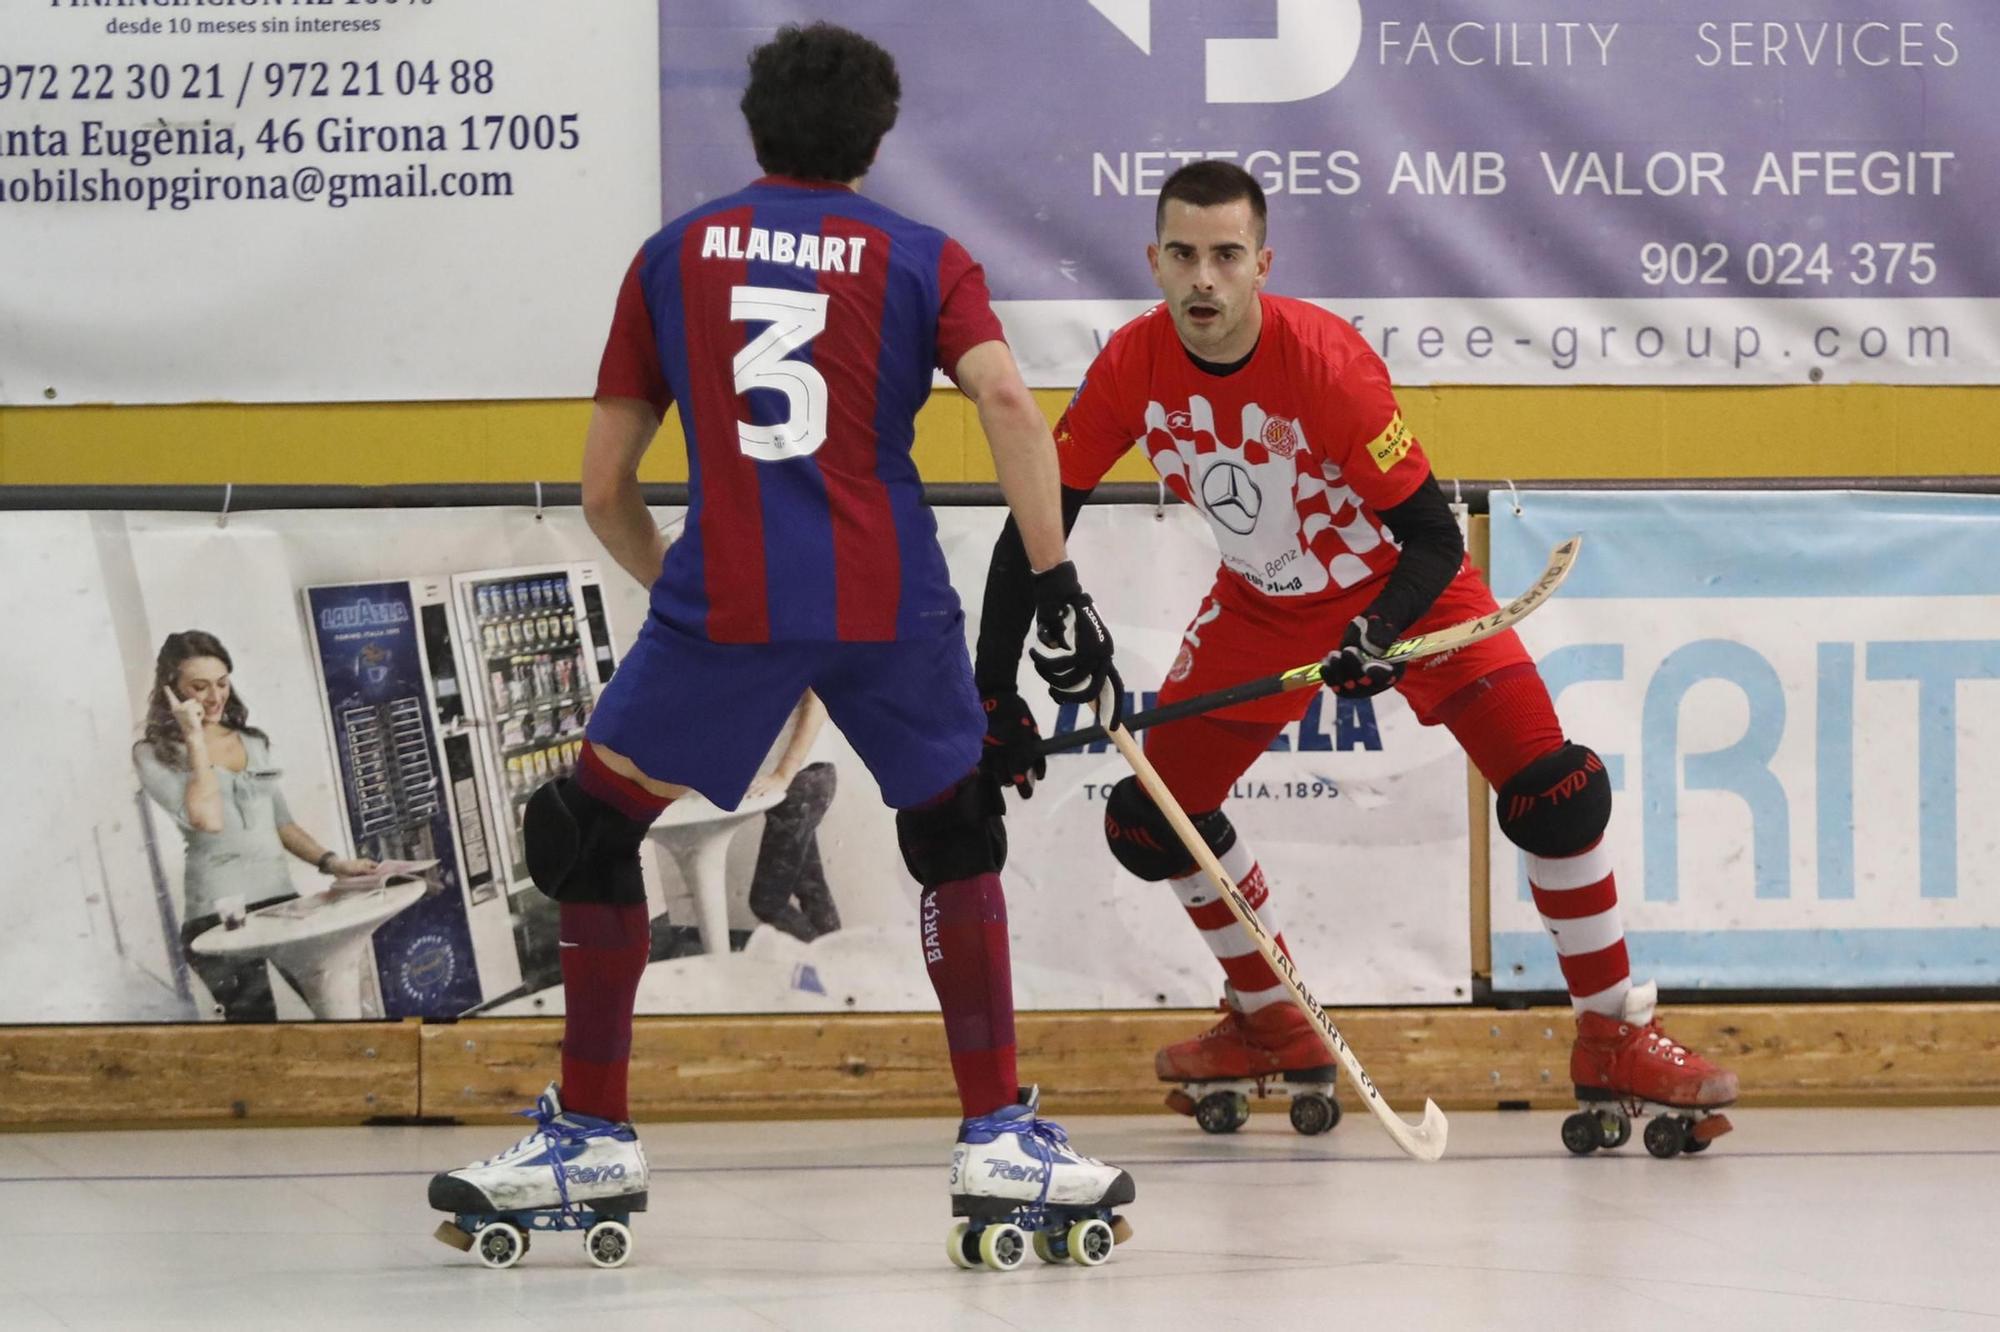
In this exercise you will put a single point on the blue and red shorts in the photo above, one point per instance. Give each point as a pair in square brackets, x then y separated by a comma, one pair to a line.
[705, 715]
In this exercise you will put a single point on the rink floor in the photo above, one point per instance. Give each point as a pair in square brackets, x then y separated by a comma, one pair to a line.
[1821, 1219]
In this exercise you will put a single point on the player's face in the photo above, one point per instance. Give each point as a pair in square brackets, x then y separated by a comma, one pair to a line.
[1210, 264]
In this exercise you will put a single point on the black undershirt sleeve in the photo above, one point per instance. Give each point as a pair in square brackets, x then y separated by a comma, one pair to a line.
[1009, 607]
[1433, 550]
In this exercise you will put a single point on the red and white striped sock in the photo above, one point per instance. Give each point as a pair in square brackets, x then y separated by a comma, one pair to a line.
[1577, 897]
[1251, 979]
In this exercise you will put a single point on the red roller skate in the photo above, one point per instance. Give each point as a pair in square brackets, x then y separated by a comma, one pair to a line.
[1624, 1066]
[1274, 1051]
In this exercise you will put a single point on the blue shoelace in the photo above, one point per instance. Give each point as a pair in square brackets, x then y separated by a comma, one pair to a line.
[1041, 1137]
[554, 1131]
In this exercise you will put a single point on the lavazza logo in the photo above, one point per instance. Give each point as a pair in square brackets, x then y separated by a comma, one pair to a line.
[1315, 44]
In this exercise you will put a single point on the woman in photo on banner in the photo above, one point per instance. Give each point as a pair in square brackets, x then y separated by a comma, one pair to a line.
[204, 764]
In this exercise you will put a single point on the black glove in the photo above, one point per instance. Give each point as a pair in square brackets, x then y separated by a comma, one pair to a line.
[1077, 661]
[1013, 755]
[1357, 669]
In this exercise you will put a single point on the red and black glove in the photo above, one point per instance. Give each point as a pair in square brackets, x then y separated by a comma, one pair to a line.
[1356, 669]
[1013, 754]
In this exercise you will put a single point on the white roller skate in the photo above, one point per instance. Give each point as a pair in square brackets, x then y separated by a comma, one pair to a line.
[574, 1172]
[1020, 1184]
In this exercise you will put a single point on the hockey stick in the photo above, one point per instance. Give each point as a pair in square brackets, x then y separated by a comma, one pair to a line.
[1424, 1141]
[1561, 560]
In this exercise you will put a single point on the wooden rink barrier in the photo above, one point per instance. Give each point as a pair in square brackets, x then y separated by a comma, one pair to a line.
[686, 1068]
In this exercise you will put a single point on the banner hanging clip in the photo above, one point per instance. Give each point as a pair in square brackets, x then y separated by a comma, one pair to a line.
[228, 492]
[1517, 498]
[538, 501]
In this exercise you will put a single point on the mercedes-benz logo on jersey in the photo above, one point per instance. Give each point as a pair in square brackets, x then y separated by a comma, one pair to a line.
[1313, 49]
[1231, 497]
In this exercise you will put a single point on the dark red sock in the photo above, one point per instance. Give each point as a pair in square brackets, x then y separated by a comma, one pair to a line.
[965, 951]
[603, 952]
[595, 777]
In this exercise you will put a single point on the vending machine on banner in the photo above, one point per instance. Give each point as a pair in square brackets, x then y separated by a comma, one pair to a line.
[544, 650]
[389, 678]
[489, 683]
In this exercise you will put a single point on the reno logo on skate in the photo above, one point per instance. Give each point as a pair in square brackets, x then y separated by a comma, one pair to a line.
[1020, 1174]
[604, 1174]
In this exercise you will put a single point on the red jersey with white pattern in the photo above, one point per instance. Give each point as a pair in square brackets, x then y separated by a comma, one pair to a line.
[1290, 458]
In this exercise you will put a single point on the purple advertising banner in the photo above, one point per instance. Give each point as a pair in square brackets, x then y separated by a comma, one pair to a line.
[1495, 191]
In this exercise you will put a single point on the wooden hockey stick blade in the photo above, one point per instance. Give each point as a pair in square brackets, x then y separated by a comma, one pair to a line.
[1424, 1141]
[1561, 560]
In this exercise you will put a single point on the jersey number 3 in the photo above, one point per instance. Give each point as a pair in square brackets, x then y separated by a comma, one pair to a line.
[795, 318]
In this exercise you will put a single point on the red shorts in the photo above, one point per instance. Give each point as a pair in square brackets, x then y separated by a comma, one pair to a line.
[1489, 694]
[1238, 636]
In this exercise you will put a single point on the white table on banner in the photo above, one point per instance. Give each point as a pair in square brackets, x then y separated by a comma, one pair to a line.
[696, 832]
[320, 941]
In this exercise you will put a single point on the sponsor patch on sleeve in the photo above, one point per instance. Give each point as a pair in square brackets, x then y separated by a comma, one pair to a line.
[1390, 447]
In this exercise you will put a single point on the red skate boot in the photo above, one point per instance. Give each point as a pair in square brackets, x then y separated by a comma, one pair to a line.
[1621, 1066]
[1273, 1051]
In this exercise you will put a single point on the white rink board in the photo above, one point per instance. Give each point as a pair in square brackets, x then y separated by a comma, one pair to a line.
[1370, 885]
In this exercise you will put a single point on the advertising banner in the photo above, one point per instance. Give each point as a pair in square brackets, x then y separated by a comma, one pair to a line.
[1797, 698]
[1493, 191]
[320, 202]
[401, 682]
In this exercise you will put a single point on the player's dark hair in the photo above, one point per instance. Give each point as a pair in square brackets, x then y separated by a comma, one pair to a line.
[819, 101]
[1207, 183]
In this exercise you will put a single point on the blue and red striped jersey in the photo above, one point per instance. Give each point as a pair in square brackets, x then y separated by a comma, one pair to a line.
[797, 325]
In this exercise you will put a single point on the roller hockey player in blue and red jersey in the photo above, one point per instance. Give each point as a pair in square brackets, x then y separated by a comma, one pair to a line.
[1277, 422]
[797, 325]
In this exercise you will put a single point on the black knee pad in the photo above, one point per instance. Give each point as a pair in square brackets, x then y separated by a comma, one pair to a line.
[960, 837]
[1558, 805]
[1144, 842]
[580, 849]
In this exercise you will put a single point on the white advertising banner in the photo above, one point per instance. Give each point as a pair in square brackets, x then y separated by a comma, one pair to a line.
[320, 202]
[1797, 697]
[451, 645]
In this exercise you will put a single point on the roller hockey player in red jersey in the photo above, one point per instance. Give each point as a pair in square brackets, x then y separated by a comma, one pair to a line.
[1276, 420]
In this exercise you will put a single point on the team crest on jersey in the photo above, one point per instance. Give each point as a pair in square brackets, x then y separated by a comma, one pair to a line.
[1281, 437]
[1183, 663]
[1180, 423]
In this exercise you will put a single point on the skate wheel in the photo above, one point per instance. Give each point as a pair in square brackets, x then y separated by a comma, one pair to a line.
[1180, 1102]
[963, 1254]
[1615, 1129]
[500, 1244]
[1313, 1113]
[1050, 1246]
[451, 1233]
[1222, 1112]
[1582, 1134]
[1666, 1135]
[1090, 1243]
[1002, 1247]
[608, 1243]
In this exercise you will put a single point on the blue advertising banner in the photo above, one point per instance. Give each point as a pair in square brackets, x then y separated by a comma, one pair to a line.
[385, 744]
[1500, 191]
[1797, 697]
